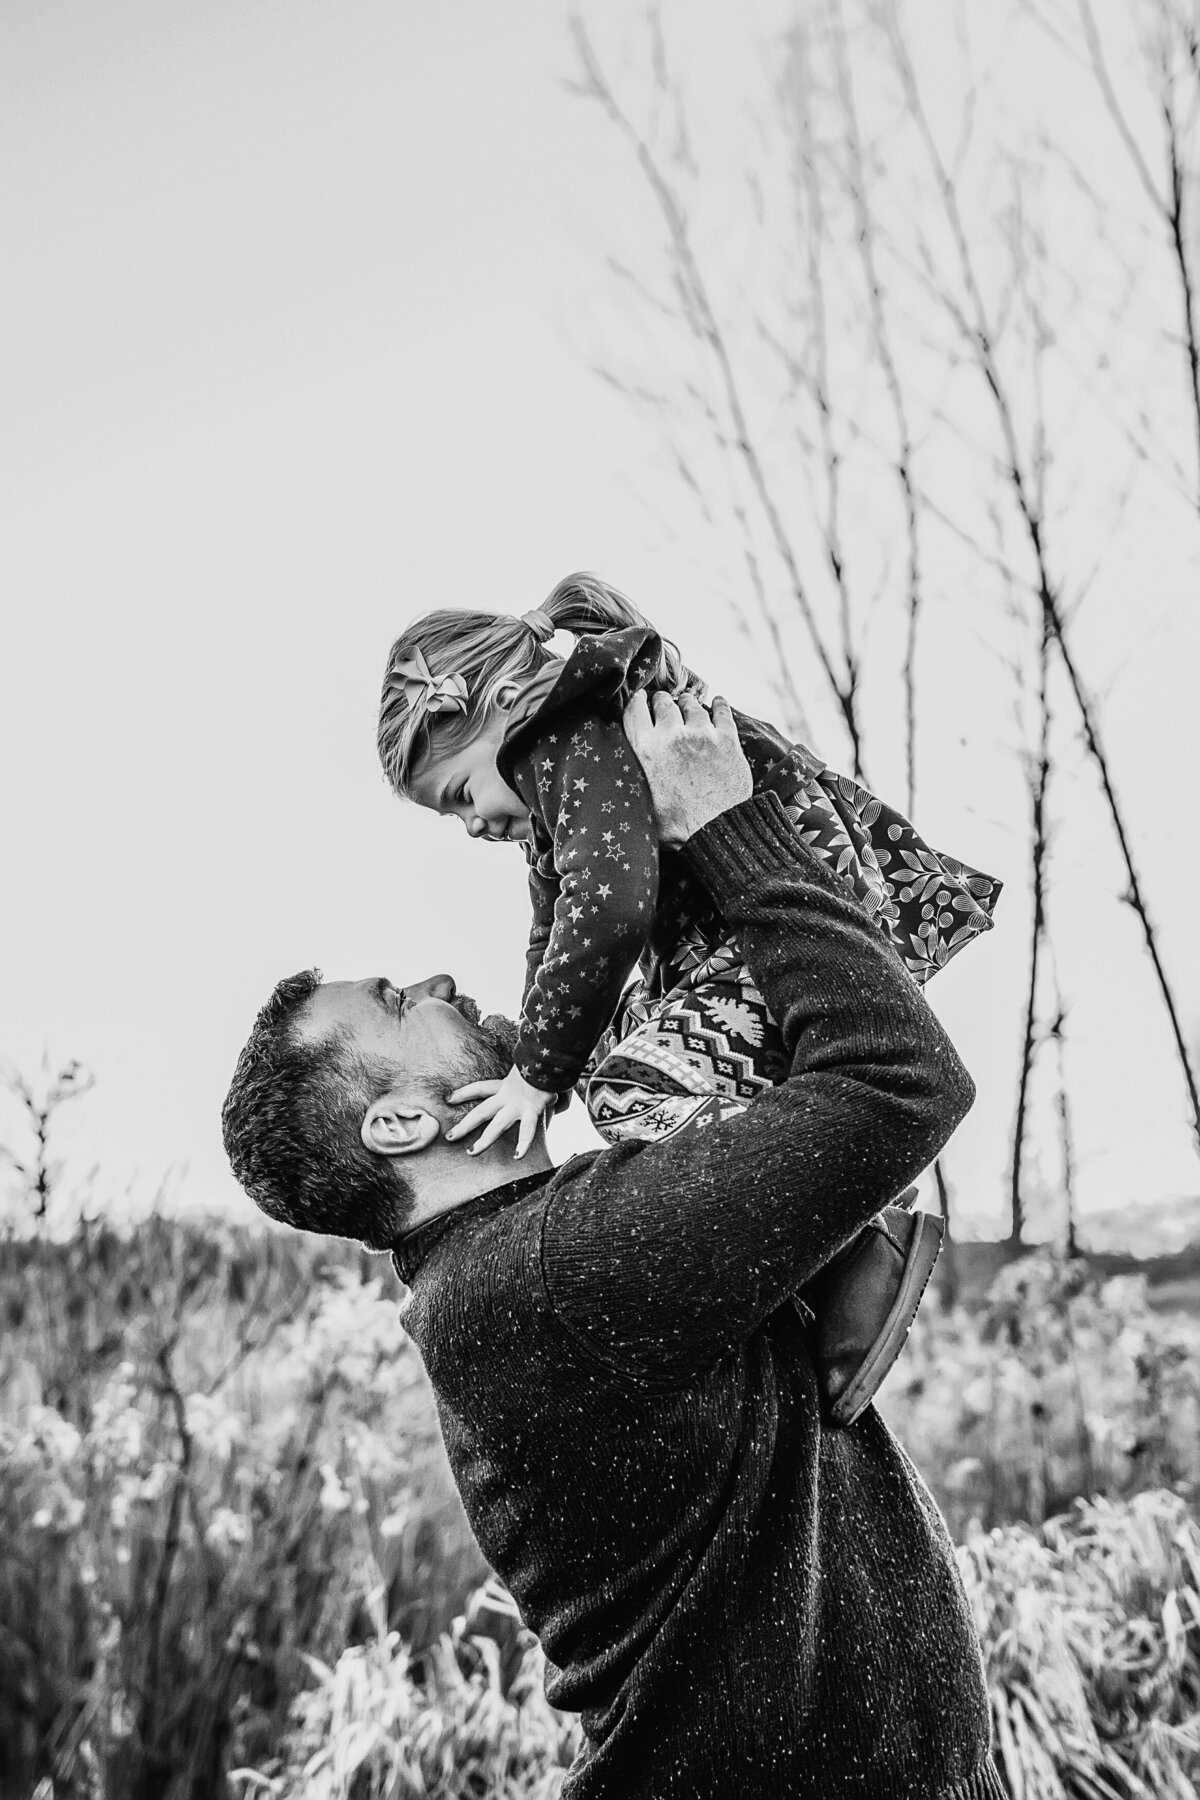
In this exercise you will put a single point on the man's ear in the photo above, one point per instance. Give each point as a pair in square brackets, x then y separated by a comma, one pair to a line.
[394, 1126]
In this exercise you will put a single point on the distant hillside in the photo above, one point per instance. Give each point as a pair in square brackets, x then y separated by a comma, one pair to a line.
[1172, 1274]
[1144, 1227]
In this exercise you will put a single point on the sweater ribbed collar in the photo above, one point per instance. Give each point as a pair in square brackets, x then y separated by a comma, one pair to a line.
[410, 1250]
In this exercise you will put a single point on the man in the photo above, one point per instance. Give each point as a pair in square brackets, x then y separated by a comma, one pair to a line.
[735, 1597]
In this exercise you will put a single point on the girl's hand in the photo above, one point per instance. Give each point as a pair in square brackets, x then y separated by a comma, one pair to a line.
[506, 1103]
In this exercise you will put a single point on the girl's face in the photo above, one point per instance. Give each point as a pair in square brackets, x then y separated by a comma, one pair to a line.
[465, 784]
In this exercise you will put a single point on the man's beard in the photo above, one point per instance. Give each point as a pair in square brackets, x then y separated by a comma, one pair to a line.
[488, 1058]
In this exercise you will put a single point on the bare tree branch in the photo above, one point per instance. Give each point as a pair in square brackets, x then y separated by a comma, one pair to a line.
[1169, 208]
[881, 337]
[977, 335]
[811, 232]
[701, 316]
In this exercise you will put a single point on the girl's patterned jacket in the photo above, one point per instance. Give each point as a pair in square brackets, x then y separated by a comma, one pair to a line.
[606, 894]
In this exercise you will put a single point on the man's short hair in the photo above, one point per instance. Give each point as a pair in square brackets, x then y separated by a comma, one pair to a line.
[292, 1120]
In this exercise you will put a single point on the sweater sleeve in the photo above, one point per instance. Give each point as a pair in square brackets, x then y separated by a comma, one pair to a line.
[543, 892]
[663, 1257]
[588, 787]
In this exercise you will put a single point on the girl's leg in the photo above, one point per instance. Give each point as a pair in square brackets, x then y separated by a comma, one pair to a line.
[701, 1051]
[930, 905]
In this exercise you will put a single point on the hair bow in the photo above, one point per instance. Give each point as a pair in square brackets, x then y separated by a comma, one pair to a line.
[447, 695]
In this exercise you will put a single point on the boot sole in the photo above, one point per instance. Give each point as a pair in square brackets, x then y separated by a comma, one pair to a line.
[923, 1253]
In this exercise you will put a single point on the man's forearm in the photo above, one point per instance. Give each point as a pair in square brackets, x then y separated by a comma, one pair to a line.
[666, 1255]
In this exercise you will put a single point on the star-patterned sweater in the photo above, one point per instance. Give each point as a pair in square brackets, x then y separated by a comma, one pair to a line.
[604, 893]
[736, 1599]
[599, 882]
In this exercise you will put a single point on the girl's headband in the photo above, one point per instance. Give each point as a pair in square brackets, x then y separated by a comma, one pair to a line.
[447, 695]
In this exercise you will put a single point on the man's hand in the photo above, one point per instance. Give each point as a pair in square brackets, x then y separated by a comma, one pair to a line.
[695, 766]
[502, 1104]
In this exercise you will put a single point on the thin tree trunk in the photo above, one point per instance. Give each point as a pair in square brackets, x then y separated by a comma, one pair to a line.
[904, 455]
[1065, 1128]
[1039, 783]
[950, 1271]
[977, 336]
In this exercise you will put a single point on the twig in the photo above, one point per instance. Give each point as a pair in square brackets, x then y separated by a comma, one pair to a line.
[1169, 208]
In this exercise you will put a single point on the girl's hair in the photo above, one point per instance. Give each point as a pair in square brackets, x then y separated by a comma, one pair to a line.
[466, 657]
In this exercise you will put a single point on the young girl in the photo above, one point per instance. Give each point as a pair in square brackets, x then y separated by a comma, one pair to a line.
[479, 720]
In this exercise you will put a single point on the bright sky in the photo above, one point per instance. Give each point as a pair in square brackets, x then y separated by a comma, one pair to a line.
[294, 341]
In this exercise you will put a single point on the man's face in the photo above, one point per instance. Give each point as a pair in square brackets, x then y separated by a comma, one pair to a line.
[428, 1034]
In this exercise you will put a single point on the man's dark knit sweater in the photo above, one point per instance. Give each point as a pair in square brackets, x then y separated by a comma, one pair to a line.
[735, 1598]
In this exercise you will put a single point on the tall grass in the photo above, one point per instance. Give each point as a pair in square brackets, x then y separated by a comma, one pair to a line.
[212, 1450]
[1058, 1386]
[229, 1540]
[1091, 1635]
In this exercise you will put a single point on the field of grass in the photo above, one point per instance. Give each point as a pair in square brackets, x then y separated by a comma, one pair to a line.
[232, 1560]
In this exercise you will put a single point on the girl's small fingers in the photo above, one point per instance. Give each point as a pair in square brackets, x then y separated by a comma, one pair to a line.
[497, 1128]
[478, 1116]
[474, 1090]
[529, 1130]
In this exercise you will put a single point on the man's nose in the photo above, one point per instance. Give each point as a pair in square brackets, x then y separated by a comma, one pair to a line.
[434, 987]
[477, 827]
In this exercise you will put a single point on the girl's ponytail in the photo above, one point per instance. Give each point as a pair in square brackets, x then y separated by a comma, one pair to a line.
[586, 606]
[444, 672]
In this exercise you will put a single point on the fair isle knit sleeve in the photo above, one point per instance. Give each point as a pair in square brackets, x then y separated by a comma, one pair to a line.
[588, 788]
